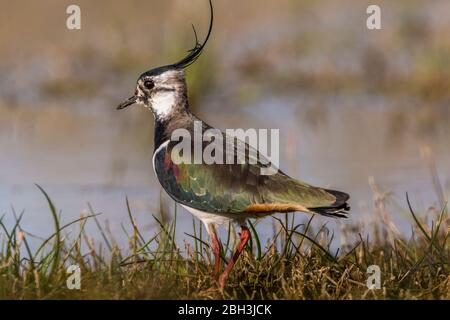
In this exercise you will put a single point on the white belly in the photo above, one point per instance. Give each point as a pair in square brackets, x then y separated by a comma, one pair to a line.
[213, 218]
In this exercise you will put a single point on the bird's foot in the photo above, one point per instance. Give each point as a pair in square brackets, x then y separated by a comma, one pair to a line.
[223, 280]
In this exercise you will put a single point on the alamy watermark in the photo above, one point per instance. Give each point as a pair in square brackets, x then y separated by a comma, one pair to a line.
[374, 277]
[373, 21]
[73, 281]
[214, 147]
[73, 21]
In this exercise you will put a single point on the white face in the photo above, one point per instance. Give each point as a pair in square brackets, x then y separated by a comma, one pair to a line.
[159, 92]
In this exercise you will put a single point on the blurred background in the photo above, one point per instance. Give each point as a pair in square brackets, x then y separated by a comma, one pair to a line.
[363, 111]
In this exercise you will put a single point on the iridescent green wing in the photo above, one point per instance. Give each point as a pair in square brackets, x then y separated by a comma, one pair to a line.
[237, 188]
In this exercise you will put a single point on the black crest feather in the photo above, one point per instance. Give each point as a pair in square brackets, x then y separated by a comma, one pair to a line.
[192, 55]
[196, 51]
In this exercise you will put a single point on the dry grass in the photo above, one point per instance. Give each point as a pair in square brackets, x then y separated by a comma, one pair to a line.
[270, 48]
[298, 264]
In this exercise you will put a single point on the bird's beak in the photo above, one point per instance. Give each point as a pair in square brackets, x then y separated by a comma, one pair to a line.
[128, 102]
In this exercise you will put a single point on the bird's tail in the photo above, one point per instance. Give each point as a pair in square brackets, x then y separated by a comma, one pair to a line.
[339, 209]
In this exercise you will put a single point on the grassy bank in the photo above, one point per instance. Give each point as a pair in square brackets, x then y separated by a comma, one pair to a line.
[298, 264]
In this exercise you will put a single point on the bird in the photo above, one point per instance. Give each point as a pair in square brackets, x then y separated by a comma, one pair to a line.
[219, 193]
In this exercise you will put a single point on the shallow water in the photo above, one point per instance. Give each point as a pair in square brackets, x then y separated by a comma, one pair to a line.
[350, 103]
[106, 158]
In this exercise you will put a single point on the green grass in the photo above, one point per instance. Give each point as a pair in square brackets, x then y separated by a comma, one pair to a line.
[296, 264]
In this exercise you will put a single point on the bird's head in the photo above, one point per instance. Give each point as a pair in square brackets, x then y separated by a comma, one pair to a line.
[159, 90]
[162, 89]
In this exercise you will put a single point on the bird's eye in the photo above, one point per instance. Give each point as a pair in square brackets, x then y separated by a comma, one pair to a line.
[149, 84]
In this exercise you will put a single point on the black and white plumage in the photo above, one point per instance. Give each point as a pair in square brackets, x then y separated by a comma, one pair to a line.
[218, 193]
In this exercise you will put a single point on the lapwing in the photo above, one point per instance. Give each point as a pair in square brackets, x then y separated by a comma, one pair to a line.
[219, 193]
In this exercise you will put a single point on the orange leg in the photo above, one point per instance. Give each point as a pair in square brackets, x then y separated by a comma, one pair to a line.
[245, 236]
[215, 246]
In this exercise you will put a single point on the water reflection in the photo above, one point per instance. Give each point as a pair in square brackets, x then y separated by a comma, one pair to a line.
[349, 104]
